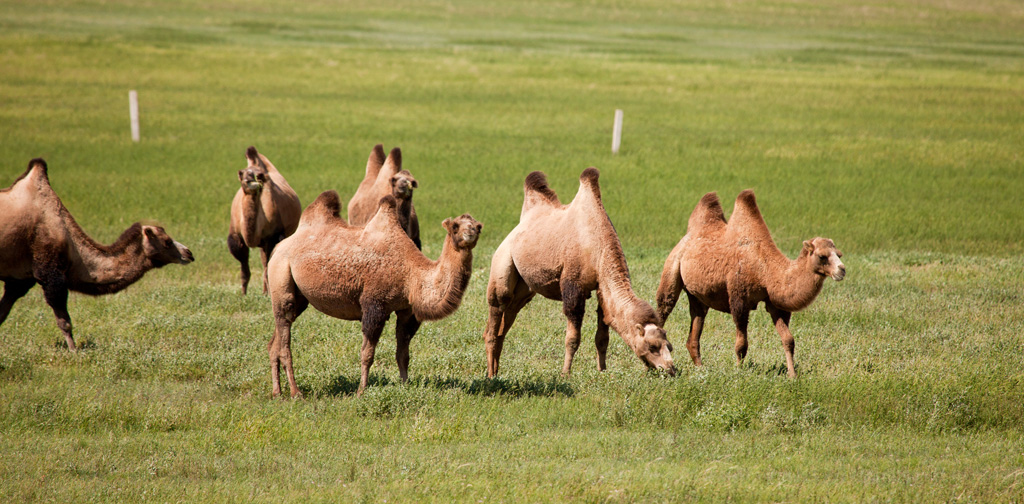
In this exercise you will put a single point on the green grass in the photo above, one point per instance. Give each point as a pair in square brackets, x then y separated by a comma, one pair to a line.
[893, 128]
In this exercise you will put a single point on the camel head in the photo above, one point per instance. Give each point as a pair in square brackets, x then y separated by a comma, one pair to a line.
[161, 249]
[254, 175]
[651, 344]
[402, 184]
[825, 258]
[463, 230]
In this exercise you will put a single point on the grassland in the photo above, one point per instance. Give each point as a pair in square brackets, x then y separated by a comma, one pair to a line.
[894, 128]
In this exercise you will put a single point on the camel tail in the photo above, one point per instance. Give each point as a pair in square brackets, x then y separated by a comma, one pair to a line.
[707, 212]
[536, 190]
[325, 208]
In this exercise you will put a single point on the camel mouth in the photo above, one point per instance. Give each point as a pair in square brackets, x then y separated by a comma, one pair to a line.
[839, 274]
[186, 255]
[254, 186]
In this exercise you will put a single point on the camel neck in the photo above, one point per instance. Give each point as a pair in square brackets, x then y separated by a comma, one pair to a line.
[621, 307]
[252, 214]
[436, 290]
[104, 269]
[795, 283]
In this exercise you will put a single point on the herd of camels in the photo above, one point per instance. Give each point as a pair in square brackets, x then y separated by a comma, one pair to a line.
[369, 266]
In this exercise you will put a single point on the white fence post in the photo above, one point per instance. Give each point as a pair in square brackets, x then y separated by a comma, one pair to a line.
[133, 113]
[617, 132]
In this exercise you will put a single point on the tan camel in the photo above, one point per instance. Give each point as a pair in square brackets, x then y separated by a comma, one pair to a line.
[265, 211]
[365, 274]
[384, 177]
[733, 265]
[564, 252]
[40, 242]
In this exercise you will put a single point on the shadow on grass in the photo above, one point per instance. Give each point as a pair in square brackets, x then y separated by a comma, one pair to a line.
[514, 388]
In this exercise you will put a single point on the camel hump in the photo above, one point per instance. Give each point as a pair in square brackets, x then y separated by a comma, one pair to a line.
[708, 211]
[746, 207]
[325, 208]
[589, 179]
[387, 203]
[375, 161]
[38, 162]
[536, 190]
[393, 163]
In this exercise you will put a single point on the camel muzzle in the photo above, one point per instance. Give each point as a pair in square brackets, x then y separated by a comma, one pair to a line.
[186, 254]
[839, 274]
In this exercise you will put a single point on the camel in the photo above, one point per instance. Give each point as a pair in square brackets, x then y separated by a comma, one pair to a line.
[384, 177]
[565, 252]
[40, 242]
[265, 211]
[365, 274]
[733, 265]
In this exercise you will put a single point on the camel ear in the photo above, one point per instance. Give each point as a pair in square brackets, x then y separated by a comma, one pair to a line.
[241, 174]
[415, 185]
[149, 232]
[262, 177]
[448, 224]
[839, 253]
[640, 329]
[808, 247]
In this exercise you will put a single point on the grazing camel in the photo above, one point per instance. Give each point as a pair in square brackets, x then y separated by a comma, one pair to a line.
[365, 274]
[265, 211]
[40, 242]
[564, 252]
[733, 265]
[384, 177]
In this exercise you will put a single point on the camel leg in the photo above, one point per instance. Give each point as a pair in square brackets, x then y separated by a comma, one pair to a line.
[241, 252]
[373, 320]
[507, 294]
[740, 317]
[781, 320]
[698, 311]
[601, 338]
[574, 303]
[287, 306]
[56, 295]
[405, 328]
[13, 291]
[669, 287]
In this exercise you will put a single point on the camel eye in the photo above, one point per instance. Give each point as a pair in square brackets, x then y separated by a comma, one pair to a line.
[824, 258]
[654, 349]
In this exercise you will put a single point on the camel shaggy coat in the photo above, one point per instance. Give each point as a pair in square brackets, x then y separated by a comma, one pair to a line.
[733, 265]
[265, 211]
[565, 252]
[364, 273]
[384, 177]
[40, 242]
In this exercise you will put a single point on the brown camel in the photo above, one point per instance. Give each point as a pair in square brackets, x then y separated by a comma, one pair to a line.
[265, 211]
[384, 177]
[40, 242]
[733, 265]
[364, 273]
[564, 252]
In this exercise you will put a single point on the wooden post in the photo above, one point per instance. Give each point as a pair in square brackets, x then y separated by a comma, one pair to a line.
[617, 132]
[133, 113]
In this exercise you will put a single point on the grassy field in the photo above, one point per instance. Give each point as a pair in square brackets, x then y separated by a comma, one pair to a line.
[894, 128]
